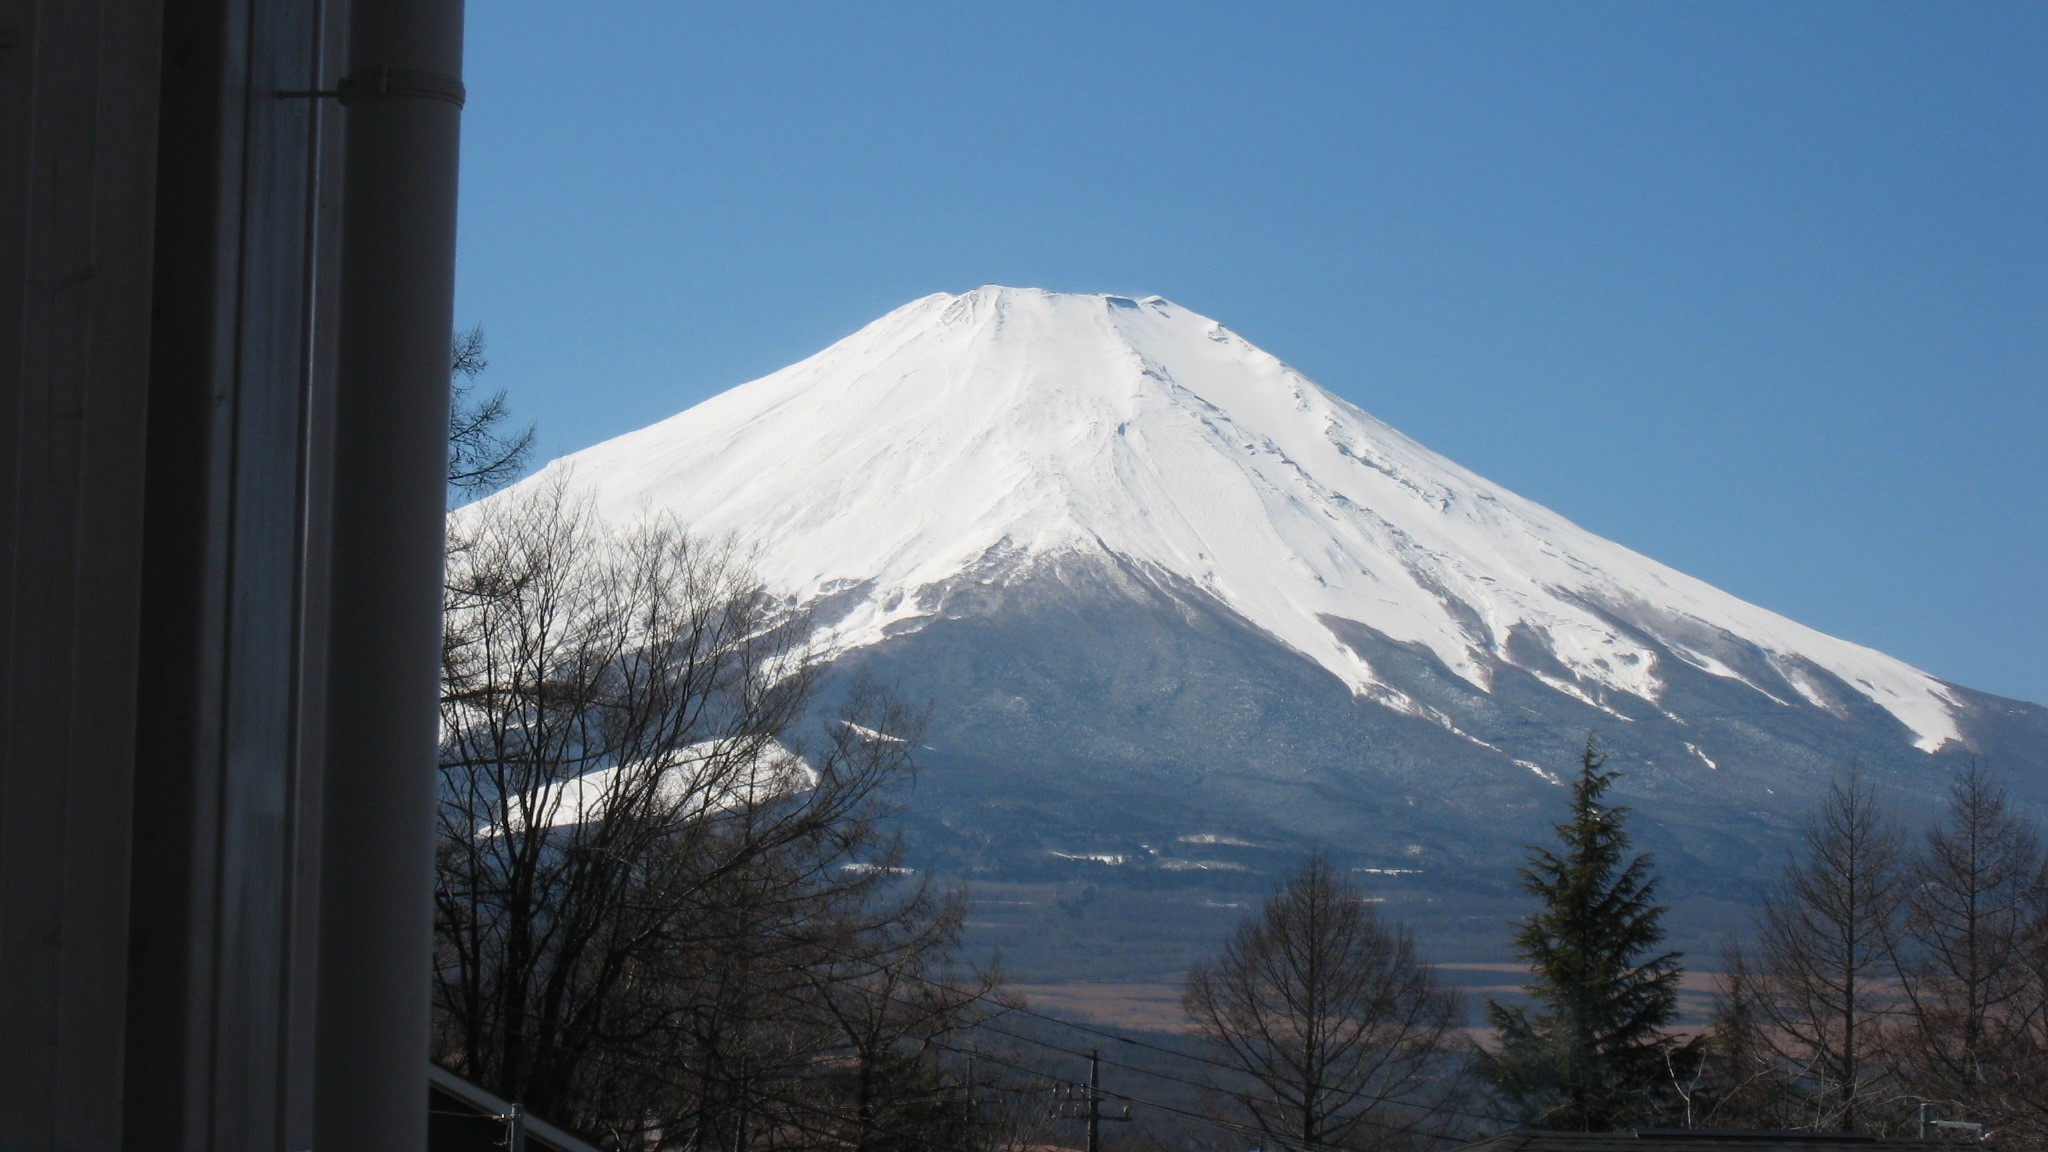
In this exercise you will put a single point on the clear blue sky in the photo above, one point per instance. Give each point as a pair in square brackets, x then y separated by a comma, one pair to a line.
[1760, 290]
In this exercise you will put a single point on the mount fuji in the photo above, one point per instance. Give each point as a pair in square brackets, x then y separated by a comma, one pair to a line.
[1180, 613]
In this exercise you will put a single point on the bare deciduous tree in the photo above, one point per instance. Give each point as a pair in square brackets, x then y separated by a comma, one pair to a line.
[1740, 1081]
[2025, 1104]
[654, 853]
[1817, 987]
[482, 455]
[893, 1007]
[1972, 913]
[1343, 1035]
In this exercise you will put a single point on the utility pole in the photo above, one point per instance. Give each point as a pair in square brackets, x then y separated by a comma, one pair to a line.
[1078, 1103]
[1094, 1100]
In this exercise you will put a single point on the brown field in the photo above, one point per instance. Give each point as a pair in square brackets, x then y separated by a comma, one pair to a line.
[1155, 1006]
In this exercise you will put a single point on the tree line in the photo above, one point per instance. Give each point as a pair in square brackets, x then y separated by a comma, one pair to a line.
[1884, 981]
[670, 912]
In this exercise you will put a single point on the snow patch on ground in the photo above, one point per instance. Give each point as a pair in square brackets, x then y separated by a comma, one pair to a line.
[1202, 866]
[1214, 838]
[700, 780]
[1110, 858]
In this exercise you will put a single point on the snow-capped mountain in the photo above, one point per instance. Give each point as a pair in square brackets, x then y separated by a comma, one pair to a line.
[1017, 424]
[969, 462]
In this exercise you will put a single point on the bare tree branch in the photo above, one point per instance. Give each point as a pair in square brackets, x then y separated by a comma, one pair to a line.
[1342, 1033]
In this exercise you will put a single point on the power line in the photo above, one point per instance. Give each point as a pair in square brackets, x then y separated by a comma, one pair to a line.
[763, 1094]
[1153, 1072]
[1203, 1118]
[909, 1138]
[1080, 1054]
[1089, 1054]
[1040, 1073]
[1019, 1009]
[1226, 1125]
[1141, 1070]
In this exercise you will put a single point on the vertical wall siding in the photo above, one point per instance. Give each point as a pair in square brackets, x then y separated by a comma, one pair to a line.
[77, 147]
[232, 632]
[166, 379]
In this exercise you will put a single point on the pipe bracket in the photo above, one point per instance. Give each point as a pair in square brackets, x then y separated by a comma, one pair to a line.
[384, 81]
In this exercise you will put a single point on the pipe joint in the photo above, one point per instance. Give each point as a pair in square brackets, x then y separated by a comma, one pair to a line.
[381, 80]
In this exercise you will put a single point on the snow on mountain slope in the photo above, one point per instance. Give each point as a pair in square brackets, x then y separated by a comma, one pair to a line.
[970, 436]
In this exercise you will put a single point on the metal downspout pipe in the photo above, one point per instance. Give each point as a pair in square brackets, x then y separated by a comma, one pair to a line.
[402, 95]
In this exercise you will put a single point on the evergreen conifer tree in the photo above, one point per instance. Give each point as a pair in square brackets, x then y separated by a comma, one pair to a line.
[1589, 1053]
